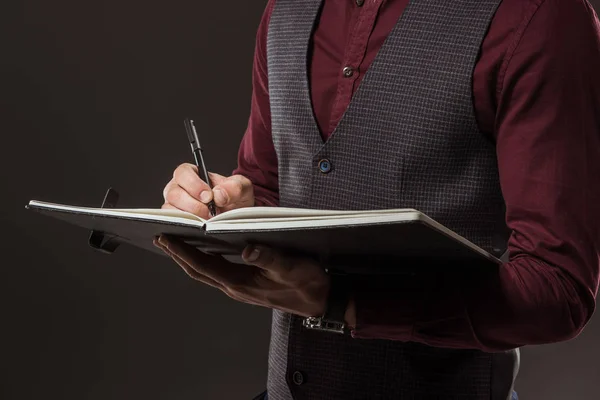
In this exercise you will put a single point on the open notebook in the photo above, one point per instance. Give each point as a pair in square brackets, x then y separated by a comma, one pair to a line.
[375, 237]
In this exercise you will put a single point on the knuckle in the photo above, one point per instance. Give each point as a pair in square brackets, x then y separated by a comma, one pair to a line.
[177, 172]
[191, 169]
[245, 187]
[173, 196]
[246, 183]
[168, 187]
[182, 170]
[166, 192]
[236, 189]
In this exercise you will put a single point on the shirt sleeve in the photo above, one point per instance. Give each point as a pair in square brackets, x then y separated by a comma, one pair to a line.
[257, 159]
[547, 131]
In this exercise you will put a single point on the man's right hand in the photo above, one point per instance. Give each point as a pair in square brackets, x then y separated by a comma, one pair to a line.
[187, 192]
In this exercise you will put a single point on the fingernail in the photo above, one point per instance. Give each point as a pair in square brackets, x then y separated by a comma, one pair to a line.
[254, 254]
[220, 196]
[205, 196]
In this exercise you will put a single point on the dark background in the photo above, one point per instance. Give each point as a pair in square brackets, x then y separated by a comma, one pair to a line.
[93, 94]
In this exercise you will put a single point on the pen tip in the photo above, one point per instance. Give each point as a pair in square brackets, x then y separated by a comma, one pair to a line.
[211, 209]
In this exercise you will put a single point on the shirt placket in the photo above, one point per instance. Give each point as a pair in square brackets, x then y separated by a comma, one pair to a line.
[355, 50]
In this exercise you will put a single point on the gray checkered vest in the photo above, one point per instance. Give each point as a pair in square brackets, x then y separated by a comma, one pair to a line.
[409, 138]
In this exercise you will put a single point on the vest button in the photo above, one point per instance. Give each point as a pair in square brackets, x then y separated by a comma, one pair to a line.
[324, 166]
[360, 2]
[348, 72]
[298, 378]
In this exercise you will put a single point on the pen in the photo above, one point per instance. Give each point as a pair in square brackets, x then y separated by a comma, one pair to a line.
[197, 150]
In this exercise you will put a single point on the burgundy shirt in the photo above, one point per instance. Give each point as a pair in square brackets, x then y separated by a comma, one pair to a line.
[536, 93]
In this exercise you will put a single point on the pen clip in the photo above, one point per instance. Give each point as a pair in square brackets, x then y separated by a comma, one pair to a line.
[192, 134]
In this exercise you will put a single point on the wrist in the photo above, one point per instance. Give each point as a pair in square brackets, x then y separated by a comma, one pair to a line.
[334, 317]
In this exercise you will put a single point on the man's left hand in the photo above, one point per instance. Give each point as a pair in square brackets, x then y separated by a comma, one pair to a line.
[295, 285]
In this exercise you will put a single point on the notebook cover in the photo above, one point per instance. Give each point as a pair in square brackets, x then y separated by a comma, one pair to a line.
[382, 247]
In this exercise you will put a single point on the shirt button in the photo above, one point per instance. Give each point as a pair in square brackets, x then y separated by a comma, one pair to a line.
[348, 72]
[324, 166]
[360, 2]
[298, 378]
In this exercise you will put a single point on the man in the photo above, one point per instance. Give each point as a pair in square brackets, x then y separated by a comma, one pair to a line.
[485, 115]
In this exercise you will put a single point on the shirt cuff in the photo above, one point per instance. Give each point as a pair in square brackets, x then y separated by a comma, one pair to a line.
[387, 307]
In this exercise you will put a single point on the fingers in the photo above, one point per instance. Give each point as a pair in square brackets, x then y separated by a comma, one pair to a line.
[234, 288]
[186, 176]
[187, 192]
[216, 268]
[267, 259]
[188, 270]
[179, 198]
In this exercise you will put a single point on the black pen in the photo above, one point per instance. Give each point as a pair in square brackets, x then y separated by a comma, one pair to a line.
[197, 150]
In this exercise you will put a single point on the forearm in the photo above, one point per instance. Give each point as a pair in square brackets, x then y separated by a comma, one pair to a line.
[547, 131]
[525, 302]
